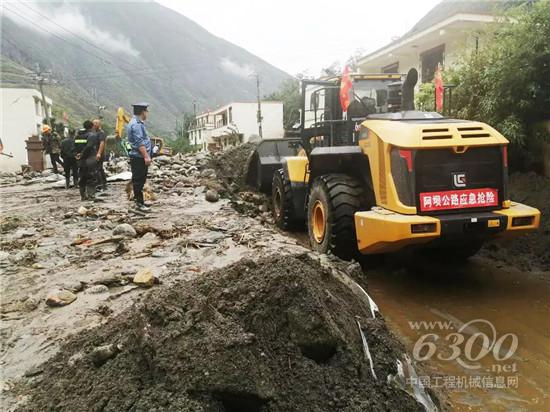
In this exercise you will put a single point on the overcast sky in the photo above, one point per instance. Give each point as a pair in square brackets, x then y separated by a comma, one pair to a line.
[298, 35]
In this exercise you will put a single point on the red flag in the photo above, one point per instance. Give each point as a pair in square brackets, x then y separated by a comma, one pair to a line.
[438, 88]
[345, 88]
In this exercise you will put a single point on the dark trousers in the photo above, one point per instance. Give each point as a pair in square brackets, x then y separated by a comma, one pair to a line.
[54, 158]
[87, 174]
[139, 176]
[101, 177]
[70, 165]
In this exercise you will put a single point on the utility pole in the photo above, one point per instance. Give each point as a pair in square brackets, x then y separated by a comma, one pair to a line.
[100, 107]
[40, 80]
[259, 114]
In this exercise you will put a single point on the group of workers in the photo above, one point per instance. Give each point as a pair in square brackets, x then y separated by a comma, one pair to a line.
[82, 154]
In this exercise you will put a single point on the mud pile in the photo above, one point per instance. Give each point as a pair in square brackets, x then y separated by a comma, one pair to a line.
[531, 251]
[231, 166]
[234, 174]
[277, 335]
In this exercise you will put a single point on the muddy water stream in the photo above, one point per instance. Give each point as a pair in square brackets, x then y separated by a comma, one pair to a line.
[480, 331]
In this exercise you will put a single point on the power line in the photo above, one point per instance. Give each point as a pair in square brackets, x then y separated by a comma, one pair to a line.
[74, 34]
[60, 38]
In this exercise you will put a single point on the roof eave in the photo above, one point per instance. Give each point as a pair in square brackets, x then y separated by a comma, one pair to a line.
[482, 18]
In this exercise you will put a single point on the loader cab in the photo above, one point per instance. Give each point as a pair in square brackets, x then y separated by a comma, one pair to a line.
[322, 121]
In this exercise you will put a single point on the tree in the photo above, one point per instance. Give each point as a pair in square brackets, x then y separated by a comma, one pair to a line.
[507, 83]
[353, 61]
[289, 94]
[181, 143]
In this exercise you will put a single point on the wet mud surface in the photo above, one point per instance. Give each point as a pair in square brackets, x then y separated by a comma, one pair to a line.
[436, 300]
[274, 338]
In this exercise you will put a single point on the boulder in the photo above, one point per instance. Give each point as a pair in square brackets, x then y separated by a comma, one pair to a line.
[102, 354]
[144, 278]
[212, 195]
[60, 298]
[125, 230]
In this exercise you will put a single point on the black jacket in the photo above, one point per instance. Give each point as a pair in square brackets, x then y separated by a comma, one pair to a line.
[86, 145]
[68, 148]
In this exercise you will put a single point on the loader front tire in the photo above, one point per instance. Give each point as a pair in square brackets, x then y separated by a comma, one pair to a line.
[333, 201]
[281, 197]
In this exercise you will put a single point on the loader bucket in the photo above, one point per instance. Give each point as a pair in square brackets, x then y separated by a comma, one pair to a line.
[266, 159]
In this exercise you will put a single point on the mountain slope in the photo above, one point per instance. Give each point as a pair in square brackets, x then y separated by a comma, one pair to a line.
[143, 52]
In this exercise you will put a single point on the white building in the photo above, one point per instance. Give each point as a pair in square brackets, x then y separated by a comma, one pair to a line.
[21, 115]
[236, 123]
[441, 36]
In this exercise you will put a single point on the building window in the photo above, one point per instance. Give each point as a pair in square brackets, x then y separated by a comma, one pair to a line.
[391, 68]
[429, 61]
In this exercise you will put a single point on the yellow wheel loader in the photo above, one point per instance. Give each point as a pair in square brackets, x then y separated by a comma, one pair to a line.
[382, 176]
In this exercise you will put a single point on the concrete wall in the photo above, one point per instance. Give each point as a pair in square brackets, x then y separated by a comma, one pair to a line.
[21, 115]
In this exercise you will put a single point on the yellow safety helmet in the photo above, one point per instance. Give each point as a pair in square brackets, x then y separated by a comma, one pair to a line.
[46, 128]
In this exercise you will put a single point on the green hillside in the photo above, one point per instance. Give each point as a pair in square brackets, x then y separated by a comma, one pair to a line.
[173, 61]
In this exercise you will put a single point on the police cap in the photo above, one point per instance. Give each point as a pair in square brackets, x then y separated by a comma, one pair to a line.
[140, 107]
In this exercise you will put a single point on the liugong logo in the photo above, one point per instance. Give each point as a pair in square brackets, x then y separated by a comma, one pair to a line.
[459, 179]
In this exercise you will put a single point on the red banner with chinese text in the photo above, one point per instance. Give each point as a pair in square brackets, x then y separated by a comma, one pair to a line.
[458, 199]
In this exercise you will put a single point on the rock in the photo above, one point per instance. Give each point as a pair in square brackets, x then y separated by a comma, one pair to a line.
[163, 160]
[208, 173]
[111, 280]
[212, 195]
[82, 211]
[104, 310]
[28, 304]
[60, 298]
[102, 354]
[96, 289]
[263, 208]
[125, 230]
[23, 256]
[24, 232]
[54, 178]
[75, 287]
[354, 270]
[77, 357]
[4, 256]
[33, 371]
[129, 272]
[144, 278]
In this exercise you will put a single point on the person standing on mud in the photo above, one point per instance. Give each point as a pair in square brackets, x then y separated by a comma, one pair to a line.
[52, 146]
[86, 147]
[140, 153]
[69, 160]
[100, 156]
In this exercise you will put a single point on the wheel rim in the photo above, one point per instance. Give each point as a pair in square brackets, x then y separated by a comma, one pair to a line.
[277, 199]
[318, 221]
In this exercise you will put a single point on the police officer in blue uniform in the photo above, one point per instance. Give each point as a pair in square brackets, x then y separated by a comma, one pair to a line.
[140, 153]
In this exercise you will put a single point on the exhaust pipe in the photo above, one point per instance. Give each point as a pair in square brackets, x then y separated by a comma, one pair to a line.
[407, 90]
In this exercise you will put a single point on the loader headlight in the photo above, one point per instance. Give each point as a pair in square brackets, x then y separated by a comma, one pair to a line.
[423, 228]
[523, 221]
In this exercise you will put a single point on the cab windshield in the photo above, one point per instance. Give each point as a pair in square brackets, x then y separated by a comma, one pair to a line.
[373, 94]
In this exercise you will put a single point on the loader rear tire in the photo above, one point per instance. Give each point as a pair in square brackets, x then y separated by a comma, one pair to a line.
[281, 197]
[333, 201]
